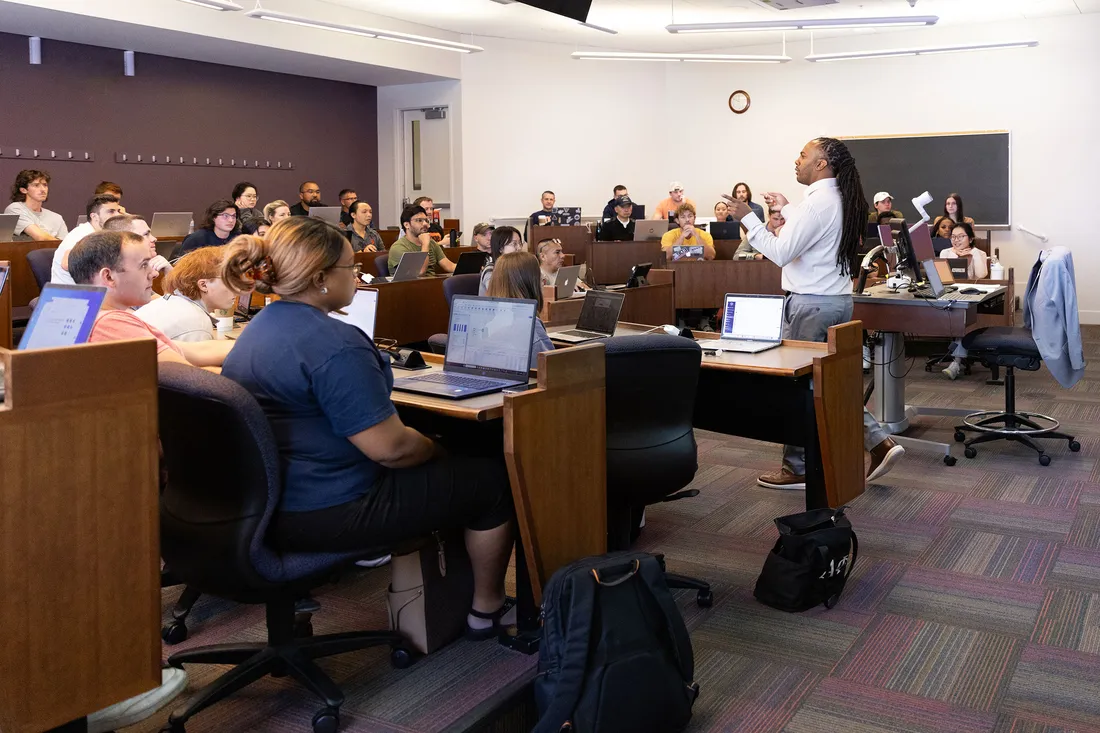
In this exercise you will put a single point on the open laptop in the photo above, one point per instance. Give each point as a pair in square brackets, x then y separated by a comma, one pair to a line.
[647, 229]
[959, 266]
[938, 290]
[566, 282]
[170, 223]
[921, 239]
[8, 223]
[64, 316]
[331, 214]
[243, 311]
[488, 349]
[470, 263]
[750, 324]
[361, 312]
[725, 230]
[598, 317]
[684, 251]
[566, 216]
[408, 267]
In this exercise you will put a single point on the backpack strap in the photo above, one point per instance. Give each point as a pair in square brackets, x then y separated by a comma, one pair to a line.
[653, 578]
[574, 657]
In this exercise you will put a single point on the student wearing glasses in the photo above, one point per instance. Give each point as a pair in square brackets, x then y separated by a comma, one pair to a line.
[218, 225]
[416, 225]
[245, 198]
[502, 241]
[355, 477]
[977, 268]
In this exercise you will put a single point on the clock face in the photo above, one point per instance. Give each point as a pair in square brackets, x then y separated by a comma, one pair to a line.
[739, 102]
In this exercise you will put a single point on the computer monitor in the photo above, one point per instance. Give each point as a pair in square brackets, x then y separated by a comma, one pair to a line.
[907, 258]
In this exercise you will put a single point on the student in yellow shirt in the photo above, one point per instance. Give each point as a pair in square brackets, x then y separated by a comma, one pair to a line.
[687, 234]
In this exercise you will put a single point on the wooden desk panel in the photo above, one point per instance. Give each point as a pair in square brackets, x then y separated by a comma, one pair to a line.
[726, 249]
[574, 240]
[5, 312]
[928, 321]
[389, 236]
[411, 311]
[653, 303]
[453, 253]
[21, 279]
[610, 262]
[702, 284]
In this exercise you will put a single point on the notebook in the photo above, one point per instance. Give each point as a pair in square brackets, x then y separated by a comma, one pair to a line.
[598, 317]
[750, 324]
[64, 316]
[488, 349]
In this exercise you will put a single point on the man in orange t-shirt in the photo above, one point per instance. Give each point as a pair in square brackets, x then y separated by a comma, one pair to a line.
[672, 203]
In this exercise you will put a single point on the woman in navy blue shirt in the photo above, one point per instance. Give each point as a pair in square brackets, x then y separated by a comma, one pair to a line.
[354, 476]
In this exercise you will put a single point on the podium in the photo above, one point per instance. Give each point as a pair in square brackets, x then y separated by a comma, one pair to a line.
[79, 532]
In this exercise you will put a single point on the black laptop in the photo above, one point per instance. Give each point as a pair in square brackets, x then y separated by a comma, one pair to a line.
[726, 230]
[598, 318]
[470, 263]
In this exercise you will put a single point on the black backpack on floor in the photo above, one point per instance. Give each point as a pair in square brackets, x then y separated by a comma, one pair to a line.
[614, 656]
[810, 562]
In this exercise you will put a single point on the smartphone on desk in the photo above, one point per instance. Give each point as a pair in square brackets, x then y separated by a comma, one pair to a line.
[520, 388]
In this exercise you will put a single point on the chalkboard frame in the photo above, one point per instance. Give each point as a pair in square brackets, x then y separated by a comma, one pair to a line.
[936, 207]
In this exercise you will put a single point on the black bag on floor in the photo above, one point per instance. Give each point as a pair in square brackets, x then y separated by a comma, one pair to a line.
[614, 655]
[811, 561]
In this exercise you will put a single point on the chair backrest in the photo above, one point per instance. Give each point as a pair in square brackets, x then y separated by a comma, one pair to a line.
[41, 264]
[651, 384]
[460, 285]
[223, 487]
[382, 264]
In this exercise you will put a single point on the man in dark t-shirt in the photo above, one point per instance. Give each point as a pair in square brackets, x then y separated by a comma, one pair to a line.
[621, 228]
[310, 194]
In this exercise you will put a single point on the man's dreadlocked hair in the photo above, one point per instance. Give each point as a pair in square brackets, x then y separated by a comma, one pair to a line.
[853, 202]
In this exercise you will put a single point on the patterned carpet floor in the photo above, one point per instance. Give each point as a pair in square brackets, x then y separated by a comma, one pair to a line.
[974, 605]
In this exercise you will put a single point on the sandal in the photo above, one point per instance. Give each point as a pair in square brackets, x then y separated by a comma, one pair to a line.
[490, 632]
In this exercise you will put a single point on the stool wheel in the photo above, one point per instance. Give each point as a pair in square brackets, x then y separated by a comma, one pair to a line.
[326, 720]
[970, 452]
[705, 599]
[1074, 446]
[950, 460]
[960, 436]
[174, 632]
[401, 658]
[1044, 459]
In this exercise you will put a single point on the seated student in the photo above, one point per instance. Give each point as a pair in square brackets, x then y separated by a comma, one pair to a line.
[518, 276]
[347, 196]
[742, 192]
[884, 204]
[616, 193]
[218, 225]
[687, 233]
[666, 207]
[355, 477]
[193, 290]
[136, 224]
[621, 228]
[245, 198]
[722, 212]
[260, 227]
[504, 240]
[112, 188]
[119, 261]
[277, 210]
[28, 193]
[483, 238]
[550, 259]
[416, 223]
[942, 227]
[953, 207]
[745, 251]
[426, 203]
[101, 208]
[542, 217]
[962, 246]
[362, 237]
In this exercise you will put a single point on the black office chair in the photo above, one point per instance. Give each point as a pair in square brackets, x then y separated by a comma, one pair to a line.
[382, 264]
[214, 514]
[41, 264]
[452, 286]
[651, 451]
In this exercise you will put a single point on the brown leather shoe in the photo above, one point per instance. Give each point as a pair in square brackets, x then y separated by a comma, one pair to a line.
[883, 457]
[782, 479]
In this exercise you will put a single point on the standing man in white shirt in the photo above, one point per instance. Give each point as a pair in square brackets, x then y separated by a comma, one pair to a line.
[815, 249]
[100, 209]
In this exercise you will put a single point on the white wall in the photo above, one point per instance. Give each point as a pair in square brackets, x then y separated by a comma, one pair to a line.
[536, 119]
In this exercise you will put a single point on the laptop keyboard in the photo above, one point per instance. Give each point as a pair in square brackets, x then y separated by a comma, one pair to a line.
[583, 334]
[729, 345]
[459, 380]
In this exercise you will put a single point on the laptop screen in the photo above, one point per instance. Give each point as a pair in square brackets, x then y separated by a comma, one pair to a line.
[922, 242]
[935, 284]
[361, 312]
[490, 334]
[600, 311]
[758, 318]
[64, 316]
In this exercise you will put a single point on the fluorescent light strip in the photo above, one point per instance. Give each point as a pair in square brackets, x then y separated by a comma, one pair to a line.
[356, 30]
[888, 53]
[704, 57]
[812, 24]
[214, 4]
[599, 28]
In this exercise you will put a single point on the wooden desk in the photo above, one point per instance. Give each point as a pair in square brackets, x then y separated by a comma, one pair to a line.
[726, 249]
[703, 284]
[410, 311]
[610, 262]
[389, 236]
[79, 532]
[21, 279]
[5, 311]
[574, 240]
[652, 303]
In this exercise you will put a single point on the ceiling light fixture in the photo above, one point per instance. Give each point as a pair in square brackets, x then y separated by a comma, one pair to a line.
[802, 25]
[356, 30]
[701, 57]
[214, 4]
[931, 51]
[595, 27]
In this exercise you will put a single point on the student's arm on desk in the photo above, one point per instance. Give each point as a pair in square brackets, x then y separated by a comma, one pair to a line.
[795, 237]
[204, 353]
[392, 444]
[37, 233]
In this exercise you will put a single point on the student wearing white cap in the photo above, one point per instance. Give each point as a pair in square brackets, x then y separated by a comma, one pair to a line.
[884, 204]
[675, 198]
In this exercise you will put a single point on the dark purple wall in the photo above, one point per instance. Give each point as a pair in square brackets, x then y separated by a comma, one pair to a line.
[78, 99]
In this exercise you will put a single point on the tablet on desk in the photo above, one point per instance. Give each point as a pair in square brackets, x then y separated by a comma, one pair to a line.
[64, 316]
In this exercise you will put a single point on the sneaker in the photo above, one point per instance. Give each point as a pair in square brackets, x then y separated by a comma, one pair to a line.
[952, 370]
[375, 563]
[782, 479]
[883, 457]
[137, 709]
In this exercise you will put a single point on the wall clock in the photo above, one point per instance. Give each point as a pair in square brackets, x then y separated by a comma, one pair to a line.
[739, 102]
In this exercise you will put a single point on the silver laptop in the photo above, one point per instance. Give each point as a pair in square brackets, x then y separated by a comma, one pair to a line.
[170, 223]
[82, 219]
[647, 229]
[8, 223]
[566, 282]
[937, 288]
[331, 214]
[687, 251]
[408, 267]
[361, 313]
[488, 349]
[598, 317]
[750, 324]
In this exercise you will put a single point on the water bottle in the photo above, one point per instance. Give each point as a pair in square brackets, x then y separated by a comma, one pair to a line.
[996, 269]
[191, 227]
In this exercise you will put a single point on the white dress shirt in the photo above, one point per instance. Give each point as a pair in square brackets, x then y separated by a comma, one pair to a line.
[806, 247]
[57, 273]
